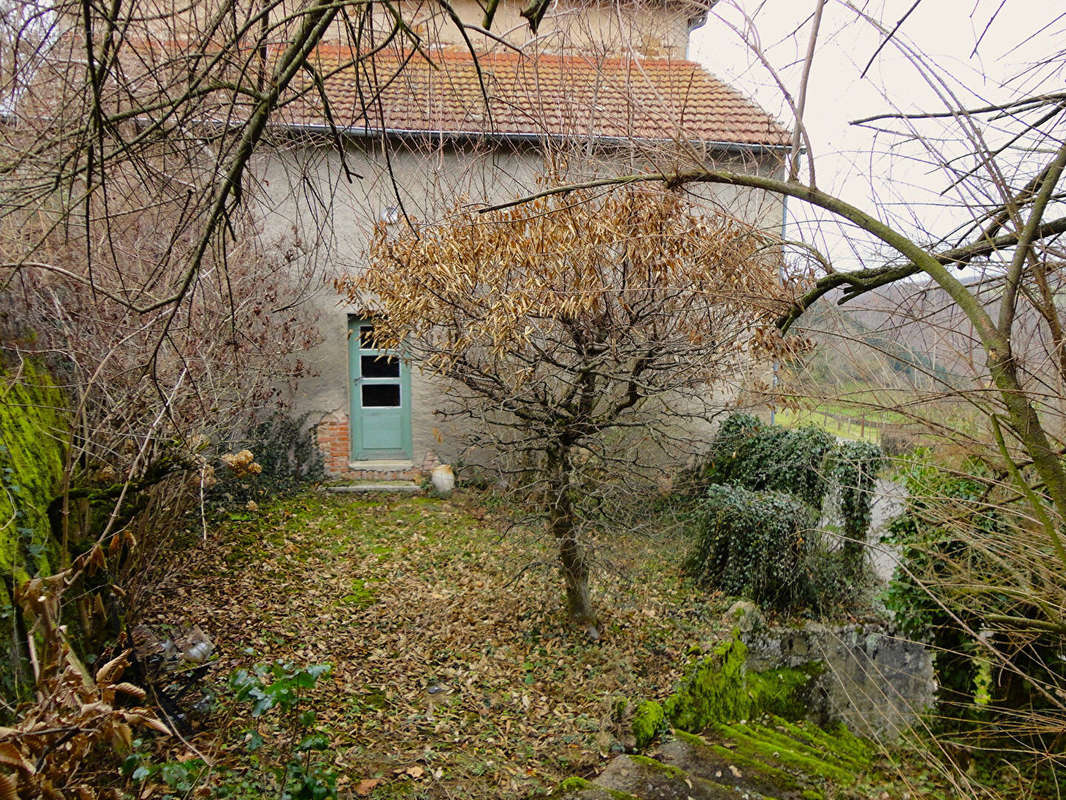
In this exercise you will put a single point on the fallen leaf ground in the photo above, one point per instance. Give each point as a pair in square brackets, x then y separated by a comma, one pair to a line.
[455, 671]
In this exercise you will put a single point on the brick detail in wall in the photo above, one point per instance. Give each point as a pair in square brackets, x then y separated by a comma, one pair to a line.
[334, 444]
[332, 438]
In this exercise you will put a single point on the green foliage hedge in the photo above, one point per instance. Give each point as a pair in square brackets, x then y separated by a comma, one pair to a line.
[853, 467]
[756, 525]
[754, 545]
[748, 453]
[805, 462]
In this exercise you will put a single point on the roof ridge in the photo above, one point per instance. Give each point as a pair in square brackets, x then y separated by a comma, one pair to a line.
[553, 94]
[460, 54]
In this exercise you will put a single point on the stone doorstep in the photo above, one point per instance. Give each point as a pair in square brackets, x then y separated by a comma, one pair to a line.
[364, 487]
[380, 466]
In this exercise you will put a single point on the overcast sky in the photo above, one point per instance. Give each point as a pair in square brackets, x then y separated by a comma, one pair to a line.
[853, 162]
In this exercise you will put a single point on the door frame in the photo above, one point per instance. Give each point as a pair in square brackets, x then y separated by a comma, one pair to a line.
[355, 380]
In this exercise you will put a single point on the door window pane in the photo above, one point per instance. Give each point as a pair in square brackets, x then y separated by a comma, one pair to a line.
[381, 395]
[380, 366]
[366, 337]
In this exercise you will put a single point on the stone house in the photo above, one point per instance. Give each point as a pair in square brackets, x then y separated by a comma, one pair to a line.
[603, 87]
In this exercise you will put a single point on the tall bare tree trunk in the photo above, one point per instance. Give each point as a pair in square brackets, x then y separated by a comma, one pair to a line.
[572, 556]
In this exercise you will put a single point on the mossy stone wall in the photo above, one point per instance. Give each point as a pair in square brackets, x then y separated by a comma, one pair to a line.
[721, 689]
[33, 436]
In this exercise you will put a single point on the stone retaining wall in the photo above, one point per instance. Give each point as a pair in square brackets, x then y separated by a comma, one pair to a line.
[876, 683]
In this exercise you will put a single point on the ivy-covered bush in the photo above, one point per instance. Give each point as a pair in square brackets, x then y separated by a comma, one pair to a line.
[733, 434]
[754, 545]
[852, 468]
[930, 548]
[748, 453]
[756, 526]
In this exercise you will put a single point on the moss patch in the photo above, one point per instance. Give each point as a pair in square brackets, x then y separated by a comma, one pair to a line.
[840, 741]
[657, 766]
[649, 721]
[33, 432]
[32, 436]
[361, 594]
[774, 775]
[575, 785]
[788, 753]
[719, 688]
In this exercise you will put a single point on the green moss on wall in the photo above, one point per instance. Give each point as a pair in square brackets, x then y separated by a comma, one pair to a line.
[649, 720]
[33, 432]
[719, 688]
[756, 742]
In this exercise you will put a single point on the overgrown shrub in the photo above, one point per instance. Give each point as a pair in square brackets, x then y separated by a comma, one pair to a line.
[983, 585]
[286, 450]
[765, 546]
[733, 434]
[852, 467]
[931, 550]
[753, 544]
[756, 456]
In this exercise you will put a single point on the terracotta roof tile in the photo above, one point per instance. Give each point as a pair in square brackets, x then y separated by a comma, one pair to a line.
[571, 95]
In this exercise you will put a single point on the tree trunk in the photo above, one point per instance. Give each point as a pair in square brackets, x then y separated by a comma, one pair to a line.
[576, 576]
[572, 557]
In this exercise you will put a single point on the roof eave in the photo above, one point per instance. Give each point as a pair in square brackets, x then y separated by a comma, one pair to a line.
[449, 135]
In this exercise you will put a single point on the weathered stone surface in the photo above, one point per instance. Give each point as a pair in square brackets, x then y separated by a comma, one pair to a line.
[745, 616]
[769, 758]
[645, 777]
[721, 765]
[874, 682]
[398, 487]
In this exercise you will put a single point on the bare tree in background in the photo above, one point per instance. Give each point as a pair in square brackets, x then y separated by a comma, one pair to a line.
[583, 340]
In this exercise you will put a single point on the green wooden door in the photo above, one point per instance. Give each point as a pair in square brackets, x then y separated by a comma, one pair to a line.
[380, 397]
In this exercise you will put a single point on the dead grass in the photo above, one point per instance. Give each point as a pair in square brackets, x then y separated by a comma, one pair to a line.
[447, 635]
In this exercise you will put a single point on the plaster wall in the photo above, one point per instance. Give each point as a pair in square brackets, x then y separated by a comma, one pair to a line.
[651, 28]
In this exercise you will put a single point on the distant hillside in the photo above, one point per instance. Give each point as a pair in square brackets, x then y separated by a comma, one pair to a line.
[912, 333]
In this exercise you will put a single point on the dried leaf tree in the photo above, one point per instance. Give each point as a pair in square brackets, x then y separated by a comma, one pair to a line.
[581, 337]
